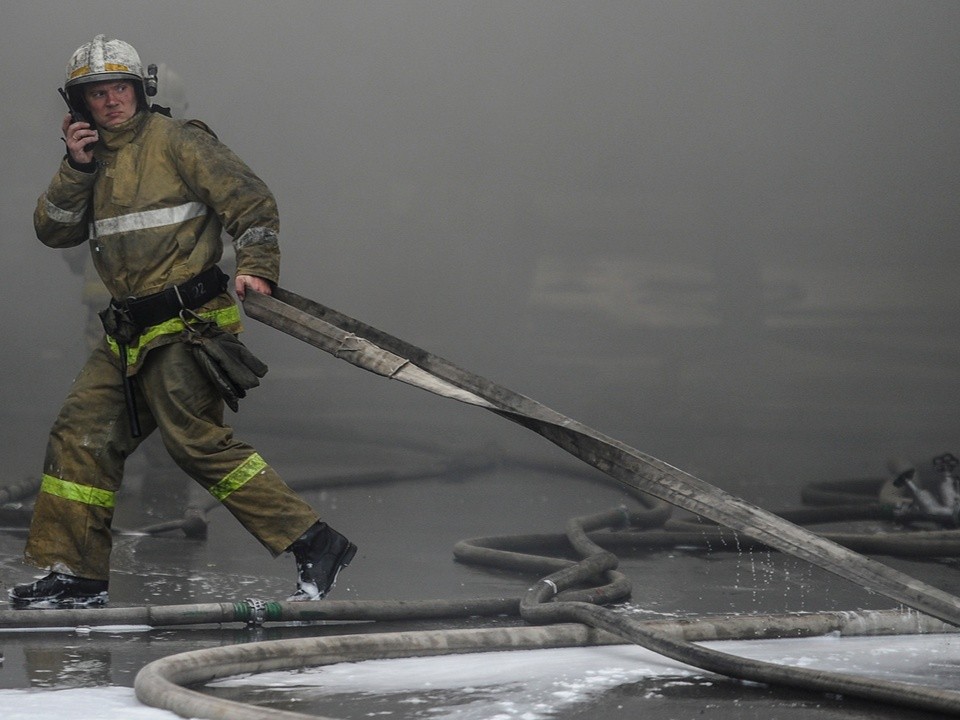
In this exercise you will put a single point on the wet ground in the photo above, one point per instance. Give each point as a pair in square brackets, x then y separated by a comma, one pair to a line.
[407, 475]
[406, 527]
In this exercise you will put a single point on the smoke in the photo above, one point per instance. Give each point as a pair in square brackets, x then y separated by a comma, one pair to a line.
[722, 231]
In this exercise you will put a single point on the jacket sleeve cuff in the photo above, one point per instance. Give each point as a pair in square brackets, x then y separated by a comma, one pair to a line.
[88, 168]
[258, 254]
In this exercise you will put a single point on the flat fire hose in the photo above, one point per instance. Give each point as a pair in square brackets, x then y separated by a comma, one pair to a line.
[383, 354]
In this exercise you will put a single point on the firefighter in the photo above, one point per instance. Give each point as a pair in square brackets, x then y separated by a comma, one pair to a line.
[150, 195]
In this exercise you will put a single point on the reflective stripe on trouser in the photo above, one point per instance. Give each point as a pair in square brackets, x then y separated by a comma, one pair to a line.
[70, 531]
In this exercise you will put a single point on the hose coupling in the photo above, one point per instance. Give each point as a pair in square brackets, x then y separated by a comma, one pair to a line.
[257, 612]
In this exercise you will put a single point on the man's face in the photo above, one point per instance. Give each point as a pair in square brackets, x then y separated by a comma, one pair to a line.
[111, 102]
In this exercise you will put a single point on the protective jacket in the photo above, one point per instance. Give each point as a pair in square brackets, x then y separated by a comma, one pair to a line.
[153, 210]
[149, 231]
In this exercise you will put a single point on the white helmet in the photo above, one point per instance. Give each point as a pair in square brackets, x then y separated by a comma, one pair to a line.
[101, 60]
[104, 59]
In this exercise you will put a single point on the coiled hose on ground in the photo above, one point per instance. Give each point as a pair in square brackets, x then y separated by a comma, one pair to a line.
[566, 605]
[572, 591]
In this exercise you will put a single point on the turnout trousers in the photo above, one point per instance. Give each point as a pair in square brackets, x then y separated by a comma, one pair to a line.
[71, 527]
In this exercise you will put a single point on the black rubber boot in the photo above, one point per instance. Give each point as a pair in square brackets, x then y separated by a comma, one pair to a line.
[57, 590]
[321, 553]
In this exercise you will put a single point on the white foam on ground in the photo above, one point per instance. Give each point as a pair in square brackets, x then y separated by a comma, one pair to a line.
[78, 704]
[531, 685]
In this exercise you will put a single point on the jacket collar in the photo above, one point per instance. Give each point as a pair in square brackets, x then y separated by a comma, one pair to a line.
[115, 138]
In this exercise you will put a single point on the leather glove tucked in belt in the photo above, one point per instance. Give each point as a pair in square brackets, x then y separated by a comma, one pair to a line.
[231, 367]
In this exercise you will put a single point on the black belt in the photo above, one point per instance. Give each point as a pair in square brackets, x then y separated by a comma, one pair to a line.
[160, 306]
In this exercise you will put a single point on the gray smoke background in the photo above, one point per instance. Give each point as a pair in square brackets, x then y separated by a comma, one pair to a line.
[722, 231]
